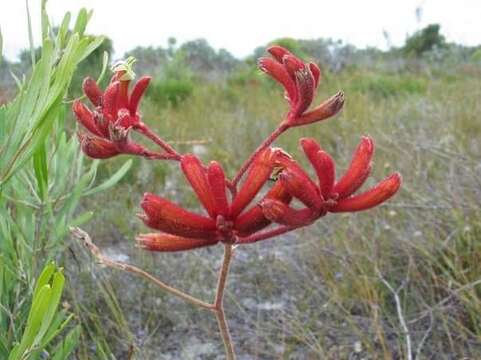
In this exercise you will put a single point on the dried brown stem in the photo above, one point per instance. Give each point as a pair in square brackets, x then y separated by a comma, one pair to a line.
[95, 251]
[217, 307]
[219, 303]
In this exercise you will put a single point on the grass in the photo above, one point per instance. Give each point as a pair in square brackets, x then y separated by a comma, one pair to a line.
[330, 291]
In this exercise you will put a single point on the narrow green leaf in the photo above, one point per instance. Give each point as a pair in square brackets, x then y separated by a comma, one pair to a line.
[114, 179]
[81, 23]
[41, 170]
[69, 343]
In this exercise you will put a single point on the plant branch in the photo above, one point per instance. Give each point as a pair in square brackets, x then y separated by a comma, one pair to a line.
[400, 313]
[265, 235]
[265, 144]
[95, 251]
[146, 131]
[219, 303]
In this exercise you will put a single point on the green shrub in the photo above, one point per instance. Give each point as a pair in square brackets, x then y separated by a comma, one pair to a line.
[388, 85]
[170, 91]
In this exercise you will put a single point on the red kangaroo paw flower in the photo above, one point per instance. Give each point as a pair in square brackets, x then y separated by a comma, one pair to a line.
[168, 243]
[322, 163]
[257, 175]
[305, 91]
[85, 117]
[279, 73]
[316, 73]
[278, 52]
[123, 96]
[164, 215]
[216, 177]
[300, 186]
[280, 213]
[92, 91]
[110, 101]
[137, 92]
[196, 174]
[358, 170]
[372, 197]
[300, 80]
[253, 220]
[327, 109]
[293, 64]
[97, 147]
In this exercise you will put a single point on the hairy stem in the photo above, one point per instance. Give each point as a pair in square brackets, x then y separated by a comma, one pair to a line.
[219, 303]
[145, 130]
[217, 307]
[266, 143]
[266, 234]
[94, 250]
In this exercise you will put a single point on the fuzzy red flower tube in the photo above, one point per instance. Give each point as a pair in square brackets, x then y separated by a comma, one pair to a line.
[225, 221]
[114, 115]
[300, 81]
[328, 195]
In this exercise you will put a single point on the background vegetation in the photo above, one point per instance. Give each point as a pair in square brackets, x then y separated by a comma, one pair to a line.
[355, 286]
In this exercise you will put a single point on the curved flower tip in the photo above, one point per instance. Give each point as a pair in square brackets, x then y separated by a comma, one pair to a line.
[280, 213]
[196, 175]
[164, 215]
[278, 52]
[169, 243]
[359, 169]
[86, 117]
[324, 111]
[372, 197]
[322, 163]
[300, 81]
[300, 186]
[97, 147]
[259, 172]
[92, 91]
[217, 182]
[137, 93]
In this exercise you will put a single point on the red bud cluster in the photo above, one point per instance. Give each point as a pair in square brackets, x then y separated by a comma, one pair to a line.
[300, 82]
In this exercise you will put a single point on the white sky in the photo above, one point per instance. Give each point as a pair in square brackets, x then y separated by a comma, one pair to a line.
[241, 25]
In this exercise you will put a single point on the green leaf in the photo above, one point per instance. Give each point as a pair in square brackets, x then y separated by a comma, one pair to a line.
[68, 344]
[81, 22]
[41, 170]
[114, 179]
[51, 309]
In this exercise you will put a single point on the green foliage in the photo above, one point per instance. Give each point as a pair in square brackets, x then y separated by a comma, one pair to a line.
[385, 85]
[44, 322]
[424, 40]
[476, 56]
[170, 91]
[43, 176]
[174, 85]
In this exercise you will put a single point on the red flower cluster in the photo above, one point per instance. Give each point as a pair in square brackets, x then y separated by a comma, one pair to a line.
[231, 223]
[328, 195]
[300, 82]
[114, 115]
[229, 217]
[227, 221]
